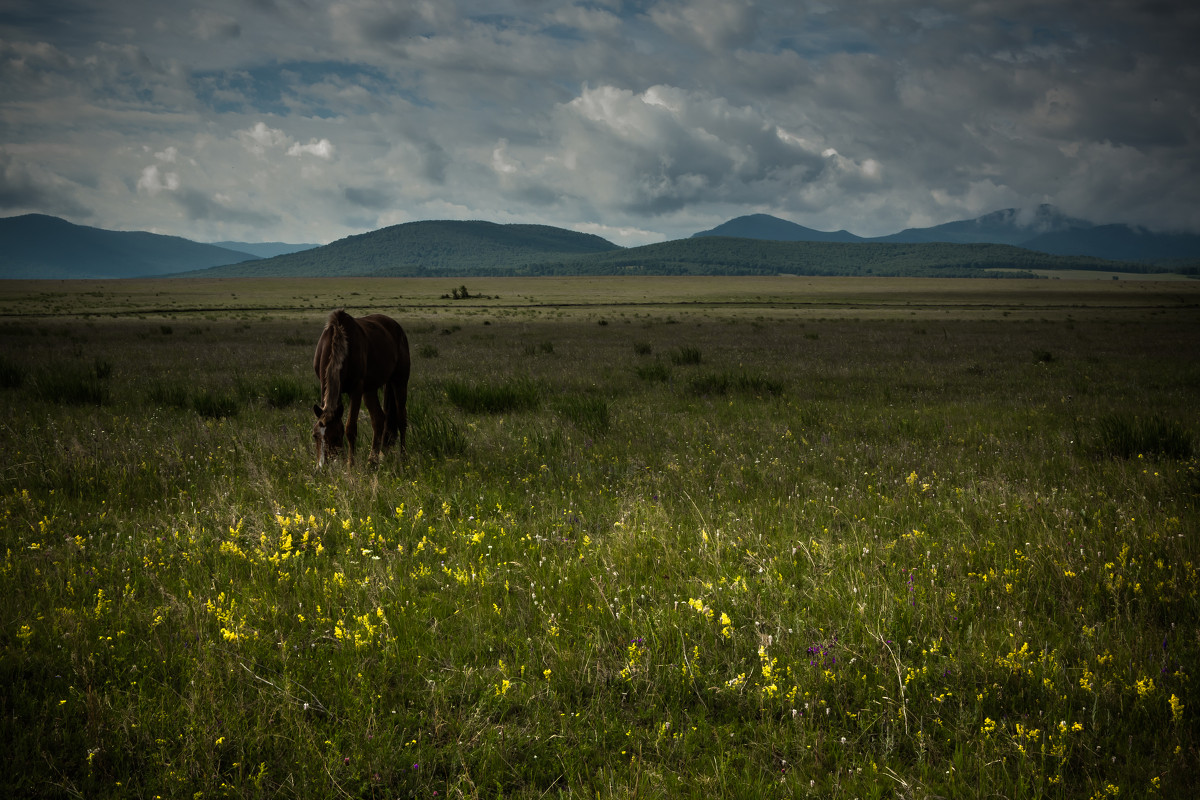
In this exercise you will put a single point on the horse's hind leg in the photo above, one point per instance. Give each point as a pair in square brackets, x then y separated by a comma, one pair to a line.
[378, 425]
[394, 406]
[396, 401]
[352, 425]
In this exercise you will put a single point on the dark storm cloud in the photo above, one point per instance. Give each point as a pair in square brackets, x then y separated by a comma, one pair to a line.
[641, 120]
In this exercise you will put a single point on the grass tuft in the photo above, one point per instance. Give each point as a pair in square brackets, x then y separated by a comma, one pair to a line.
[12, 375]
[719, 383]
[588, 412]
[686, 356]
[74, 384]
[286, 392]
[215, 404]
[501, 397]
[1125, 435]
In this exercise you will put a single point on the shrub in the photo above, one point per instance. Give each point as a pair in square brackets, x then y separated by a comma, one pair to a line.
[642, 348]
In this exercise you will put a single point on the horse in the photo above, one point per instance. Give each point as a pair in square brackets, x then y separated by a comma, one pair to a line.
[359, 357]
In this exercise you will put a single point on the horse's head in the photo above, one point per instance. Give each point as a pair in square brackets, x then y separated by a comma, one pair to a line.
[328, 434]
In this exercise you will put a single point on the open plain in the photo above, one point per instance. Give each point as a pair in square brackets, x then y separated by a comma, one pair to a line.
[655, 537]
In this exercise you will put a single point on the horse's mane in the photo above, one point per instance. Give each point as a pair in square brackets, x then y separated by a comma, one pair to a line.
[339, 349]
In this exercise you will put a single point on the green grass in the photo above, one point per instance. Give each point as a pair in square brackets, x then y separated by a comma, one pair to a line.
[838, 558]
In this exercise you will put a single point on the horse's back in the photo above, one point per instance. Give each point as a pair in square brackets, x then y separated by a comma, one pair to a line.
[388, 343]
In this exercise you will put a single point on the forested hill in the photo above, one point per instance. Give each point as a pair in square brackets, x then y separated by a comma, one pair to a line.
[44, 247]
[435, 247]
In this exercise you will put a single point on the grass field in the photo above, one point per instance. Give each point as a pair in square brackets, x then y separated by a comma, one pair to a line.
[780, 537]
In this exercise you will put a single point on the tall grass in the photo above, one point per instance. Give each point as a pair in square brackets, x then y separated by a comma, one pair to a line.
[494, 397]
[1126, 435]
[855, 565]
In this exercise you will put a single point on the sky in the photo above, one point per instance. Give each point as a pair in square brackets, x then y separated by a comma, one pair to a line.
[639, 120]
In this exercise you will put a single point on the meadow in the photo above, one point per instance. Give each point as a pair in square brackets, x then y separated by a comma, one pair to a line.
[770, 537]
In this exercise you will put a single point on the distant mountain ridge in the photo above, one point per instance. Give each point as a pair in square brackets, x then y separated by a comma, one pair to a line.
[265, 249]
[43, 247]
[1044, 229]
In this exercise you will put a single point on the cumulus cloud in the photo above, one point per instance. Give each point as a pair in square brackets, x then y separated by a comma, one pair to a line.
[665, 148]
[260, 138]
[319, 148]
[153, 181]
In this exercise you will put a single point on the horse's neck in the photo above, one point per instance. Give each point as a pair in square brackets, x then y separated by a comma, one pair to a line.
[338, 356]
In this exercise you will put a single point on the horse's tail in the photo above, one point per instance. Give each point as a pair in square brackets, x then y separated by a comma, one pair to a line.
[339, 350]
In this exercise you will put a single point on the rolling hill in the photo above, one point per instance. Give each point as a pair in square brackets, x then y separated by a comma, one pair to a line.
[40, 246]
[437, 247]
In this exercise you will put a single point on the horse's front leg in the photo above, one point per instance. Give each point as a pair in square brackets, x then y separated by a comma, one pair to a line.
[352, 424]
[378, 425]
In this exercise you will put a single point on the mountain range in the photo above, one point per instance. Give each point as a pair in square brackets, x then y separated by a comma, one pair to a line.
[1011, 241]
[1044, 229]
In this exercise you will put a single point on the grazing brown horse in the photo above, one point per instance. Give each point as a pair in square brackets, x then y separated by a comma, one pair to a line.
[358, 357]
